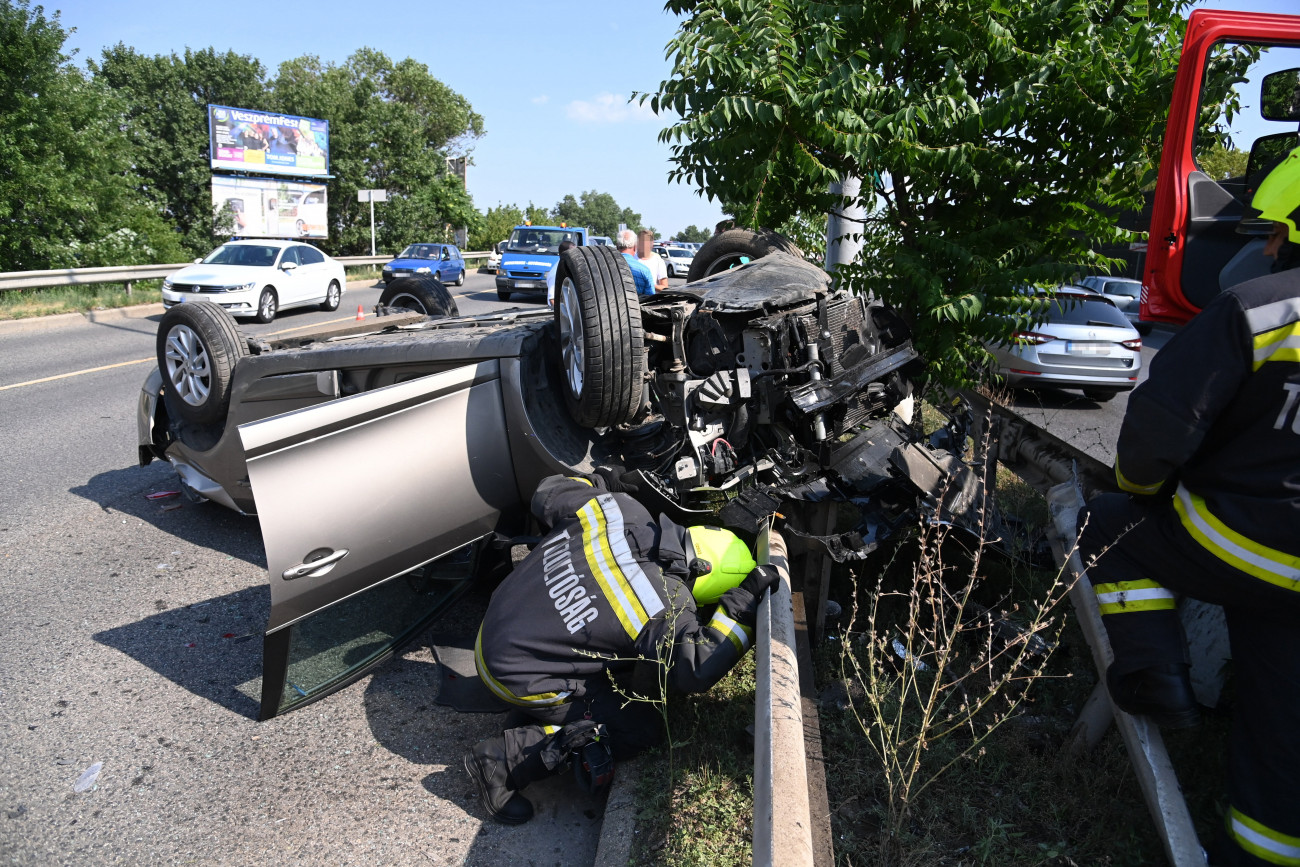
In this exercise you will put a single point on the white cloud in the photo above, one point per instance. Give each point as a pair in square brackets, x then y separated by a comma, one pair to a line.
[609, 108]
[540, 100]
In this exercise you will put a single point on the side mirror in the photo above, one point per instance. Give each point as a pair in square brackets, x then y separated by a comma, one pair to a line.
[288, 266]
[1279, 95]
[197, 261]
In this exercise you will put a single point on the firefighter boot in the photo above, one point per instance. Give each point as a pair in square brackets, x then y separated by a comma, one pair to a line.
[1162, 692]
[486, 764]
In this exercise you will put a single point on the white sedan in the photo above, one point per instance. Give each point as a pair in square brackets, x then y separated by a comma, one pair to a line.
[259, 278]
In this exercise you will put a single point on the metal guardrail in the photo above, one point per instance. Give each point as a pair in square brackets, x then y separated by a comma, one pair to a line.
[782, 814]
[129, 274]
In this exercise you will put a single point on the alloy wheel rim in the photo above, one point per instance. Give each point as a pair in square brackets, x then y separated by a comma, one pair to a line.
[268, 305]
[571, 336]
[189, 370]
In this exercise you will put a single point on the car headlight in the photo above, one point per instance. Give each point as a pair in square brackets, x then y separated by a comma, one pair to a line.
[242, 287]
[423, 270]
[167, 284]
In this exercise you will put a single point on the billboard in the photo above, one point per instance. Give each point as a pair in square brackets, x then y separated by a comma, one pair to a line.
[265, 143]
[269, 208]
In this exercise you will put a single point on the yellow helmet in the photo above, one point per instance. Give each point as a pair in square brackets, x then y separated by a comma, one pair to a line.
[1278, 196]
[723, 556]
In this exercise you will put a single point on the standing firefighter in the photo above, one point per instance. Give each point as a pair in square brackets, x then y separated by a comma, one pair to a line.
[1209, 454]
[611, 603]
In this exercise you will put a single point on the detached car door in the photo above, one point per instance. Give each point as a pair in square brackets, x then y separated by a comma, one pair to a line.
[1202, 240]
[374, 508]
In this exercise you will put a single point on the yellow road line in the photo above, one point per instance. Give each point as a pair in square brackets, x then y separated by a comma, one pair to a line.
[75, 373]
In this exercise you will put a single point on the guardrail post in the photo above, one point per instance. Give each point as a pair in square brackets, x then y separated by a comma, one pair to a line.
[127, 284]
[782, 818]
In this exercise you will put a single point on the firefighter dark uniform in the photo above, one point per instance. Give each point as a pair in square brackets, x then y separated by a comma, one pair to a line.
[1209, 453]
[589, 614]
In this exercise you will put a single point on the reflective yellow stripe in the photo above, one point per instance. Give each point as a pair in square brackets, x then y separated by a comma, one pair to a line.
[550, 730]
[625, 586]
[1126, 597]
[541, 699]
[1276, 327]
[1134, 487]
[1282, 344]
[1267, 564]
[740, 636]
[1261, 841]
[586, 482]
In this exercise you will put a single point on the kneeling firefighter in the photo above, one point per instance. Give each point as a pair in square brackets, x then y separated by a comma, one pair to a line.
[612, 603]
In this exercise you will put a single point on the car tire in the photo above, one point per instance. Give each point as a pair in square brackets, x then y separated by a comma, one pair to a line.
[725, 251]
[598, 322]
[1101, 395]
[333, 295]
[1143, 328]
[423, 294]
[503, 295]
[460, 278]
[268, 304]
[197, 347]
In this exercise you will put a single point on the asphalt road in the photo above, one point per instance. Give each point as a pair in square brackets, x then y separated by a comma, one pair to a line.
[130, 640]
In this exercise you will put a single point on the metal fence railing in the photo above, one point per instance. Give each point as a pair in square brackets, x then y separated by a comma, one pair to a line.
[128, 274]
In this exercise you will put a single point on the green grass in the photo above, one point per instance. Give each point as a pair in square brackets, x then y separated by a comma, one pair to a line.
[27, 303]
[695, 799]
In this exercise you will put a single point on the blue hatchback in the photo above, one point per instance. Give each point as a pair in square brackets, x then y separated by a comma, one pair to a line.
[441, 260]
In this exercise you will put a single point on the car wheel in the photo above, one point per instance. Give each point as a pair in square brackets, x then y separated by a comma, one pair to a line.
[725, 251]
[198, 346]
[1101, 395]
[1143, 328]
[460, 278]
[332, 297]
[598, 319]
[503, 295]
[267, 305]
[422, 294]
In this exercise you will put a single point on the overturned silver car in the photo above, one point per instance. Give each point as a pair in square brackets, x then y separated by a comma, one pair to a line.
[391, 461]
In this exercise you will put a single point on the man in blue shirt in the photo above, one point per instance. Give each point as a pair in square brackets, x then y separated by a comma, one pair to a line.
[645, 281]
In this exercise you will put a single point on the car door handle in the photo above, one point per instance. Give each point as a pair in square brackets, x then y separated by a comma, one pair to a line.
[315, 564]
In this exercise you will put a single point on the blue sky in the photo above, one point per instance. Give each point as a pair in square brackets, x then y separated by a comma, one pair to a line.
[550, 80]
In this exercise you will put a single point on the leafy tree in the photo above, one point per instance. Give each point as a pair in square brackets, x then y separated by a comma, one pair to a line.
[495, 226]
[692, 235]
[597, 211]
[993, 138]
[166, 98]
[1222, 162]
[537, 215]
[392, 127]
[67, 193]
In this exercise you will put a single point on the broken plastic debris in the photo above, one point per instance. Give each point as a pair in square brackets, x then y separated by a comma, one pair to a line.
[162, 495]
[171, 507]
[228, 635]
[191, 644]
[164, 565]
[903, 654]
[88, 777]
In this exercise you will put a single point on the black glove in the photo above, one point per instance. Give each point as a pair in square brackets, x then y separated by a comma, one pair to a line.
[759, 579]
[619, 480]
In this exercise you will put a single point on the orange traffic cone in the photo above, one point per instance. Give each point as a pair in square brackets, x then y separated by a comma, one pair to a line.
[361, 314]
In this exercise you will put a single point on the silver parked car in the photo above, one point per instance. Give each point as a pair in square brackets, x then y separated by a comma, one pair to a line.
[391, 461]
[1082, 340]
[1125, 292]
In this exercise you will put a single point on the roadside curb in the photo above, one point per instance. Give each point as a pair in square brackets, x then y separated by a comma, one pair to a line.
[619, 824]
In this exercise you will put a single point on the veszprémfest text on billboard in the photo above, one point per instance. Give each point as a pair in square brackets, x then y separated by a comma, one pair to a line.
[267, 143]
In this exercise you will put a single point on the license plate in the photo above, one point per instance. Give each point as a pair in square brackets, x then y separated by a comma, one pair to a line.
[1078, 347]
[526, 284]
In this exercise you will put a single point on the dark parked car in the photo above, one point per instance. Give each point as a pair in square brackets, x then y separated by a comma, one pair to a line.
[442, 261]
[390, 461]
